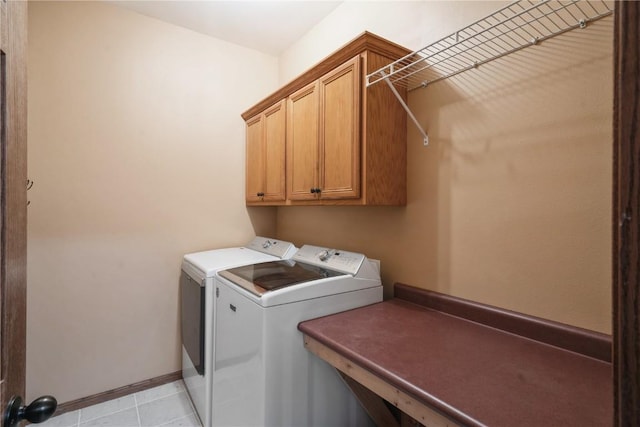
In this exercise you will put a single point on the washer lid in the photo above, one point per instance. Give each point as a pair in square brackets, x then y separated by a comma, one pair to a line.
[260, 249]
[267, 276]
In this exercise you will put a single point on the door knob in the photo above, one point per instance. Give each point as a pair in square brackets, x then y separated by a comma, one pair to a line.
[38, 411]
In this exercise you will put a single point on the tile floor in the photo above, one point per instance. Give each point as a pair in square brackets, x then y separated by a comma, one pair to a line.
[167, 405]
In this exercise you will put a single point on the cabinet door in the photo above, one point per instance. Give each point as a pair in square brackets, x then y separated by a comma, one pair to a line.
[265, 155]
[339, 140]
[254, 159]
[274, 152]
[302, 143]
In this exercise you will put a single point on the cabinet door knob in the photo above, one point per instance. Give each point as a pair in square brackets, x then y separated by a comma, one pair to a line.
[313, 190]
[318, 190]
[260, 194]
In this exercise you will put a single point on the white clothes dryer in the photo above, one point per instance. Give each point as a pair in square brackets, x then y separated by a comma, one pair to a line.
[198, 304]
[263, 375]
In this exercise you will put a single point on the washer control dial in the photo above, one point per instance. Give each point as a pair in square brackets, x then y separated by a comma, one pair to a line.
[325, 255]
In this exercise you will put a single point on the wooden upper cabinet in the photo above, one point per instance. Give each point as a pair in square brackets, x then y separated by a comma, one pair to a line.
[302, 143]
[323, 137]
[339, 135]
[265, 156]
[345, 143]
[274, 148]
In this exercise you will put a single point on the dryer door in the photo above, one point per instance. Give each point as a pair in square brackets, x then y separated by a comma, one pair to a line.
[193, 309]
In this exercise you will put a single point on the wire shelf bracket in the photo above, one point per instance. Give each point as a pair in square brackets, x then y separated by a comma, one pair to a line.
[518, 25]
[408, 110]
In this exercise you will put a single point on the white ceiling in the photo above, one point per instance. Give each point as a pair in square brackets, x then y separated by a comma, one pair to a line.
[268, 26]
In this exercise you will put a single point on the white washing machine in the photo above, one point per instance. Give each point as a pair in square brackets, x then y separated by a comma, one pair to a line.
[198, 304]
[263, 375]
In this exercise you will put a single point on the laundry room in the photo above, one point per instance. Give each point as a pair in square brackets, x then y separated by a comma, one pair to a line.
[136, 150]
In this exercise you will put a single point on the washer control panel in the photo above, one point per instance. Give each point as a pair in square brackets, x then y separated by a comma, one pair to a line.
[277, 248]
[334, 259]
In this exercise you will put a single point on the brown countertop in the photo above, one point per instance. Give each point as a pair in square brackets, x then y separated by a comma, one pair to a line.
[474, 374]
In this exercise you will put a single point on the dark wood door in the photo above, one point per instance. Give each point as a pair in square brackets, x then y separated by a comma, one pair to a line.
[626, 218]
[13, 197]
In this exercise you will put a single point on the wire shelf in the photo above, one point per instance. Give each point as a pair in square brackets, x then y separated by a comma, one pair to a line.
[514, 27]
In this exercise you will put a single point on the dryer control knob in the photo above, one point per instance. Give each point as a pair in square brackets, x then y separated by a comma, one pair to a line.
[266, 244]
[324, 255]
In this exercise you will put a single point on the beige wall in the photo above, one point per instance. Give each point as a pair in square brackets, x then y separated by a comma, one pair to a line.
[510, 204]
[136, 147]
